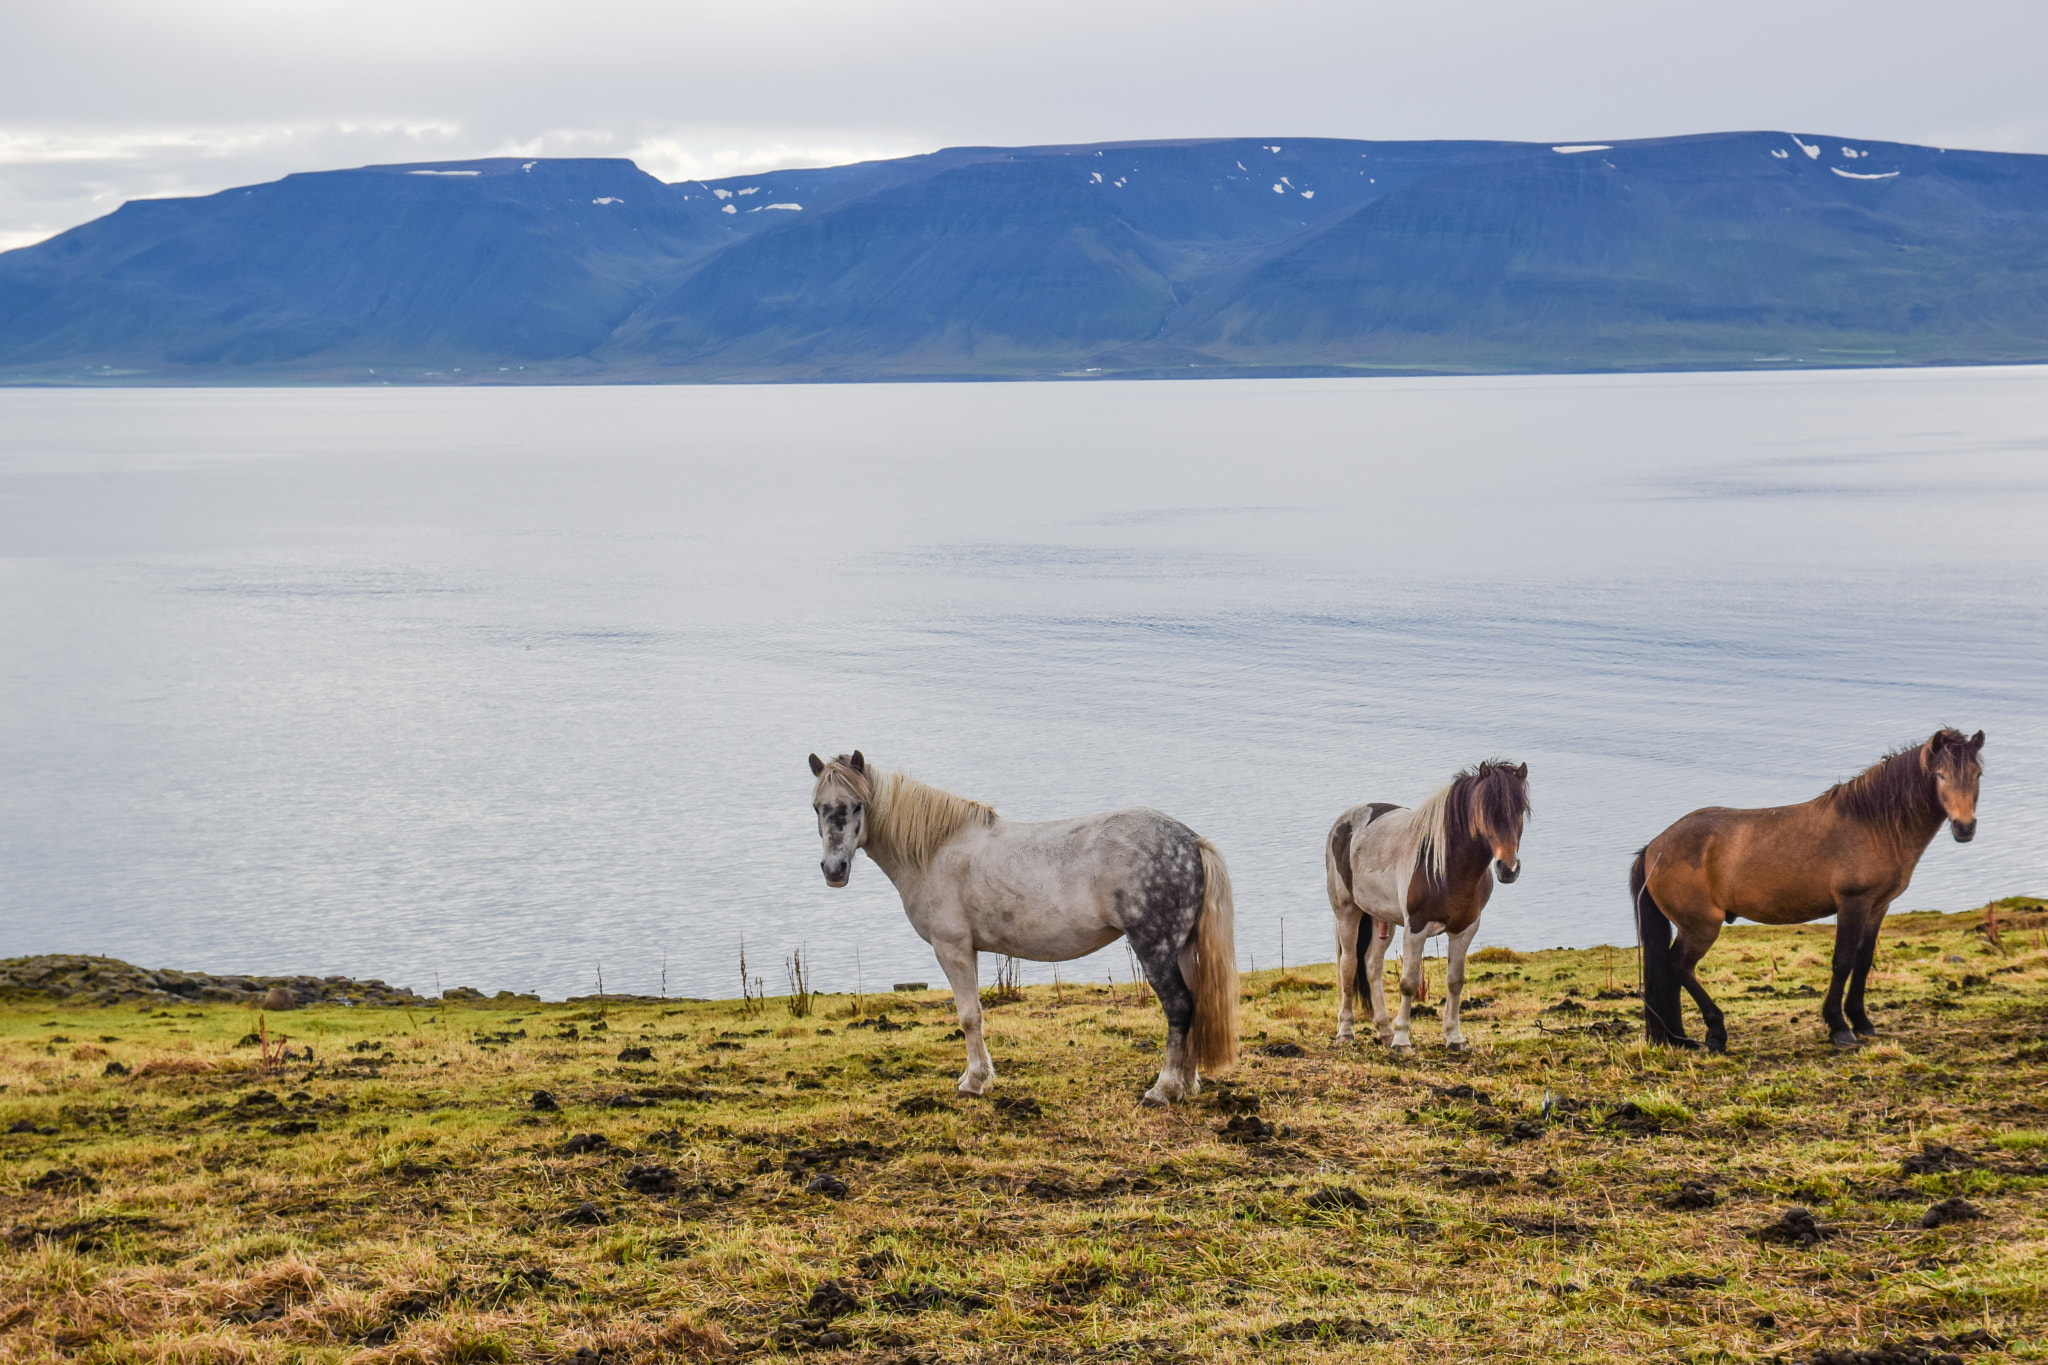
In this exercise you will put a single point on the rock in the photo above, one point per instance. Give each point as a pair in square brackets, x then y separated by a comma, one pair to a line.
[280, 998]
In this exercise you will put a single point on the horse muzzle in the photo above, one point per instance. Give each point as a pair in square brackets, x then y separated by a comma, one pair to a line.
[835, 874]
[1964, 830]
[1507, 872]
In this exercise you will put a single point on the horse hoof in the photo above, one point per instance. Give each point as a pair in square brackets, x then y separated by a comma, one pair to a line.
[1717, 1043]
[1151, 1101]
[1846, 1041]
[1460, 1046]
[1683, 1044]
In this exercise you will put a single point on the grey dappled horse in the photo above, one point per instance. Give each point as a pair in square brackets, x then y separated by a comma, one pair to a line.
[973, 882]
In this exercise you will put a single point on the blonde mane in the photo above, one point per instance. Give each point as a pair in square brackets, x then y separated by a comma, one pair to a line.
[1433, 818]
[908, 819]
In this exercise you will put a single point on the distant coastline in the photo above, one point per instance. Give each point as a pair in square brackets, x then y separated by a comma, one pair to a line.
[1209, 258]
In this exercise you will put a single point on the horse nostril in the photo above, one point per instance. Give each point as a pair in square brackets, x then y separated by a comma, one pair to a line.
[1964, 830]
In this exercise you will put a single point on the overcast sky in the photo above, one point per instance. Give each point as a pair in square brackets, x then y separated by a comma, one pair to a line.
[107, 100]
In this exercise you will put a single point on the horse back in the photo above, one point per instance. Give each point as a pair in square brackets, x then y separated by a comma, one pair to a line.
[1368, 865]
[1772, 864]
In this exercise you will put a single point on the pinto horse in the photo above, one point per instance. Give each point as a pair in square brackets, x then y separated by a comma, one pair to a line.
[1848, 852]
[973, 882]
[1428, 871]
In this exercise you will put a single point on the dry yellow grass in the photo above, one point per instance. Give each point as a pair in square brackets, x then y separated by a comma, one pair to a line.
[400, 1200]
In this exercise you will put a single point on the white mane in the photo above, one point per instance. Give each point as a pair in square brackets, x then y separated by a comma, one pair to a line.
[1431, 818]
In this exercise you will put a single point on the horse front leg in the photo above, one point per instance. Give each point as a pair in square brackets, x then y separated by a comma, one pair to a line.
[1454, 986]
[1347, 971]
[1376, 980]
[962, 966]
[1854, 918]
[1859, 1019]
[1412, 942]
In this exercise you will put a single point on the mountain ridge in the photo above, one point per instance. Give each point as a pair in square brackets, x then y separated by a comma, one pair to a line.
[1165, 257]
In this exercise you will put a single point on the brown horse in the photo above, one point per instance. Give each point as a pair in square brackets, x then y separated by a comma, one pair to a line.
[1849, 853]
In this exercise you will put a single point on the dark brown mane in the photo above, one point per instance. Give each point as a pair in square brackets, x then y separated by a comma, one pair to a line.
[1494, 792]
[1897, 792]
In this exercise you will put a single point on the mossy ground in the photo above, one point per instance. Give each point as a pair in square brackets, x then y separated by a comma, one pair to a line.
[399, 1199]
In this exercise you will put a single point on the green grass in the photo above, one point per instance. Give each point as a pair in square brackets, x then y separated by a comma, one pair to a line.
[412, 1209]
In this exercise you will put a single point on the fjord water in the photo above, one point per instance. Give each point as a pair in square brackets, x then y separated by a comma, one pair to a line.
[496, 687]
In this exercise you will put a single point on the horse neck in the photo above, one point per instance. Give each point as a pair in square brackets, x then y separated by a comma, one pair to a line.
[1467, 858]
[1923, 821]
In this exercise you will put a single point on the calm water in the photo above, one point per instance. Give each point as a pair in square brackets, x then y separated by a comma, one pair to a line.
[506, 686]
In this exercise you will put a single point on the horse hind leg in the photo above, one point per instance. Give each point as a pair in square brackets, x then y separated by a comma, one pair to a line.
[1348, 980]
[1177, 1080]
[1685, 957]
[1376, 979]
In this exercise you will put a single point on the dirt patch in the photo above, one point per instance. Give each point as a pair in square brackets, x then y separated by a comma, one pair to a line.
[1934, 1157]
[1677, 1286]
[1795, 1227]
[1333, 1197]
[649, 1178]
[1282, 1049]
[1948, 1211]
[1692, 1194]
[1937, 1350]
[919, 1105]
[1019, 1107]
[64, 1180]
[1322, 1329]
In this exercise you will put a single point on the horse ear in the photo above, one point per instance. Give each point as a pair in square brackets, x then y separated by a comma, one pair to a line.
[1977, 740]
[1937, 741]
[1523, 772]
[817, 766]
[859, 764]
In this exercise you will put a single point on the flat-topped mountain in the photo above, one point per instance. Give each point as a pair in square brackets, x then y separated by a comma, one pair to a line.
[1185, 258]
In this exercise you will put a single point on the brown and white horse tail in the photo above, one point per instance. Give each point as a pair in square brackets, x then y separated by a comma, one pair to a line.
[1661, 1022]
[1212, 1040]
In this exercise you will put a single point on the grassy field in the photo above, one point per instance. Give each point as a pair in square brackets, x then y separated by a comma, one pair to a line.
[755, 1183]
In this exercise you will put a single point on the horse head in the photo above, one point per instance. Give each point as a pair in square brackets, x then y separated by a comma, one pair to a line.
[1957, 767]
[840, 798]
[1500, 803]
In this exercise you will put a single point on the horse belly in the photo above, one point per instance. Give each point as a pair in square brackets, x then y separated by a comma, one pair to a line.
[1045, 918]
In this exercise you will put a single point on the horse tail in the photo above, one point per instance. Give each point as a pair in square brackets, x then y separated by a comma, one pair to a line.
[1212, 1040]
[1661, 1022]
